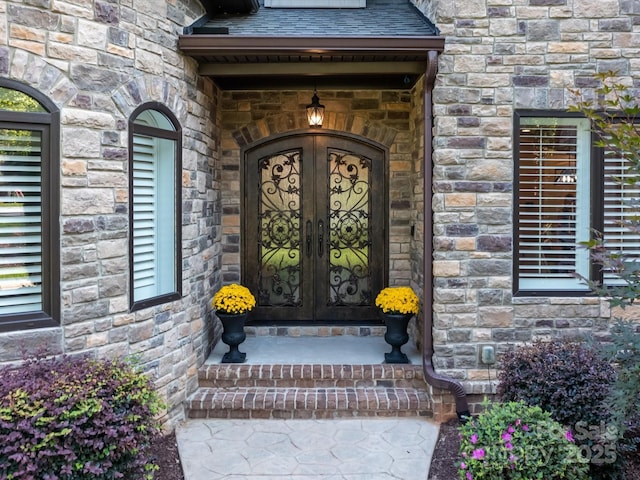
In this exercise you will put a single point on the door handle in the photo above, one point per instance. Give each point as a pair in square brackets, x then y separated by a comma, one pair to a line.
[320, 237]
[309, 237]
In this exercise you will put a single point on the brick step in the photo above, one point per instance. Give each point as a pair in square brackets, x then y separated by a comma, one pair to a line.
[288, 402]
[311, 376]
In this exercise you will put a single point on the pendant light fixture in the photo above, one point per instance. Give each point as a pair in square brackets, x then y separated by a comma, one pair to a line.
[315, 111]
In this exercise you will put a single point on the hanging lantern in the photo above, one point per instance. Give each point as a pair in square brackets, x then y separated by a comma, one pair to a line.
[315, 112]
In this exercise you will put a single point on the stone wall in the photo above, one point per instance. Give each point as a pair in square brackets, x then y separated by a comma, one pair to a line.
[500, 56]
[382, 116]
[98, 61]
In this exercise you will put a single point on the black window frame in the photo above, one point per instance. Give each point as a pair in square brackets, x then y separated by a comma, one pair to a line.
[596, 185]
[49, 124]
[175, 135]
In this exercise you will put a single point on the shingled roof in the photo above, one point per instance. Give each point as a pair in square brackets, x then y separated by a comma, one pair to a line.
[385, 45]
[381, 18]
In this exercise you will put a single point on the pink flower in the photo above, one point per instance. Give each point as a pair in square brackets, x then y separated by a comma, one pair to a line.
[518, 422]
[463, 465]
[511, 429]
[508, 446]
[469, 476]
[569, 436]
[506, 437]
[525, 427]
[474, 438]
[478, 453]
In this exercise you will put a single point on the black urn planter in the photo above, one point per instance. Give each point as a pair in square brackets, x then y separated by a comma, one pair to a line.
[233, 335]
[396, 336]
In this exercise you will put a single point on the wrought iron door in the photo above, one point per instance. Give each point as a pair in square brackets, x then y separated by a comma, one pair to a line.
[314, 229]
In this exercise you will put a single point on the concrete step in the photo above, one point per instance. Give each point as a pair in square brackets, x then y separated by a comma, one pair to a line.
[334, 402]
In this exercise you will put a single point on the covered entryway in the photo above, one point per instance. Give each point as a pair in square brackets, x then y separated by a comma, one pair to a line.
[282, 221]
[315, 228]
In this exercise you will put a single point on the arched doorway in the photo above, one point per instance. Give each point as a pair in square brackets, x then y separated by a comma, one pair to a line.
[314, 238]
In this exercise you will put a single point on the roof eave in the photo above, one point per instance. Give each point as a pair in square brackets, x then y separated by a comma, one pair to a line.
[203, 44]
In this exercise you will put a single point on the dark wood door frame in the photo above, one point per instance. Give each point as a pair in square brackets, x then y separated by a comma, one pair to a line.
[323, 141]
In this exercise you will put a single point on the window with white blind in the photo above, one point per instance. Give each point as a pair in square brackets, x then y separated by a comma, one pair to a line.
[566, 188]
[29, 283]
[155, 207]
[620, 207]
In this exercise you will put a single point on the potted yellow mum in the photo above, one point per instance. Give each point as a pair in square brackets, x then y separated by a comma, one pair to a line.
[397, 306]
[232, 304]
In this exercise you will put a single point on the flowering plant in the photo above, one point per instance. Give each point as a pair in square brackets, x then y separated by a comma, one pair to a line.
[398, 300]
[516, 441]
[233, 298]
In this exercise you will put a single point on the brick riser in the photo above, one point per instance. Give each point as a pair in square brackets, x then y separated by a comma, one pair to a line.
[309, 391]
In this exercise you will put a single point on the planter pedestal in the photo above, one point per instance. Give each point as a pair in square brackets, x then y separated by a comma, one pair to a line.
[233, 335]
[396, 336]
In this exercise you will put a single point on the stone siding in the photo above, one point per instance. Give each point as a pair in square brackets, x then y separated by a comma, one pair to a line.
[98, 61]
[500, 56]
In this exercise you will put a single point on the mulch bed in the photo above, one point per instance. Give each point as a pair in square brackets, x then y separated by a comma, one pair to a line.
[167, 458]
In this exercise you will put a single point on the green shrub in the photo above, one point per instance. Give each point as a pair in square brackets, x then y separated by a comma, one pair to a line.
[515, 441]
[624, 352]
[76, 419]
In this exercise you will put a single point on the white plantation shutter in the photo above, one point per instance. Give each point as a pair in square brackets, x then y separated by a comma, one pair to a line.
[621, 197]
[20, 221]
[155, 219]
[554, 203]
[144, 225]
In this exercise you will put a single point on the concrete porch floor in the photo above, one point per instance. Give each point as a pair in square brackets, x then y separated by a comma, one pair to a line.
[340, 349]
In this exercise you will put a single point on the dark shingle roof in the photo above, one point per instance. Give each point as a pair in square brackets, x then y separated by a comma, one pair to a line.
[381, 18]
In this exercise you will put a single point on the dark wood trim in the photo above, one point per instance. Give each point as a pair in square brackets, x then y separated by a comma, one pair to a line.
[292, 140]
[314, 46]
[316, 68]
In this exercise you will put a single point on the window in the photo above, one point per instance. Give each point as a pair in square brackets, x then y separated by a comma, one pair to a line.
[155, 206]
[565, 188]
[29, 190]
[315, 3]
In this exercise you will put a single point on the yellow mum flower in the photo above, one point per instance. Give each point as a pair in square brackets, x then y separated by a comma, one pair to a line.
[233, 298]
[398, 300]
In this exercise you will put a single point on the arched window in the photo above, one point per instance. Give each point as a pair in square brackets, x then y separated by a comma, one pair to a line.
[29, 208]
[155, 206]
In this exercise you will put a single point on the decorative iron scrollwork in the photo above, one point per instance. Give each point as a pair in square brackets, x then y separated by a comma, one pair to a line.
[279, 236]
[350, 234]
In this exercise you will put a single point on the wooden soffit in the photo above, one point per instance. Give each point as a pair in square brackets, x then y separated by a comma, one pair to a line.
[258, 62]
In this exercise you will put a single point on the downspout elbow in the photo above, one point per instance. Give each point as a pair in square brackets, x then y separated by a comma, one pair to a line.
[430, 375]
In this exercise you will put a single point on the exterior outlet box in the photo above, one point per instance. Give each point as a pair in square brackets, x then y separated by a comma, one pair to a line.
[487, 354]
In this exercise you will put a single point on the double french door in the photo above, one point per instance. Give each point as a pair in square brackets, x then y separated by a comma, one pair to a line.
[314, 246]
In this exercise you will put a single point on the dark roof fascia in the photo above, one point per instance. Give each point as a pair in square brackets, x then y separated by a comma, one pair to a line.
[205, 44]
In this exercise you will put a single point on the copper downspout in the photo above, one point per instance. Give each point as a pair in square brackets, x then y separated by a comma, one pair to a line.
[434, 379]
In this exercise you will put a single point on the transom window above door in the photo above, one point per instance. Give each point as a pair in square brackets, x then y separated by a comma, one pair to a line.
[565, 189]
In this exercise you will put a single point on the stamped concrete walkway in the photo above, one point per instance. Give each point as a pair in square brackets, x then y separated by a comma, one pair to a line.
[346, 449]
[365, 448]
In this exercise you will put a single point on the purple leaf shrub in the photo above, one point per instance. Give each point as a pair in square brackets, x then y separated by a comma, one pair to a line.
[75, 418]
